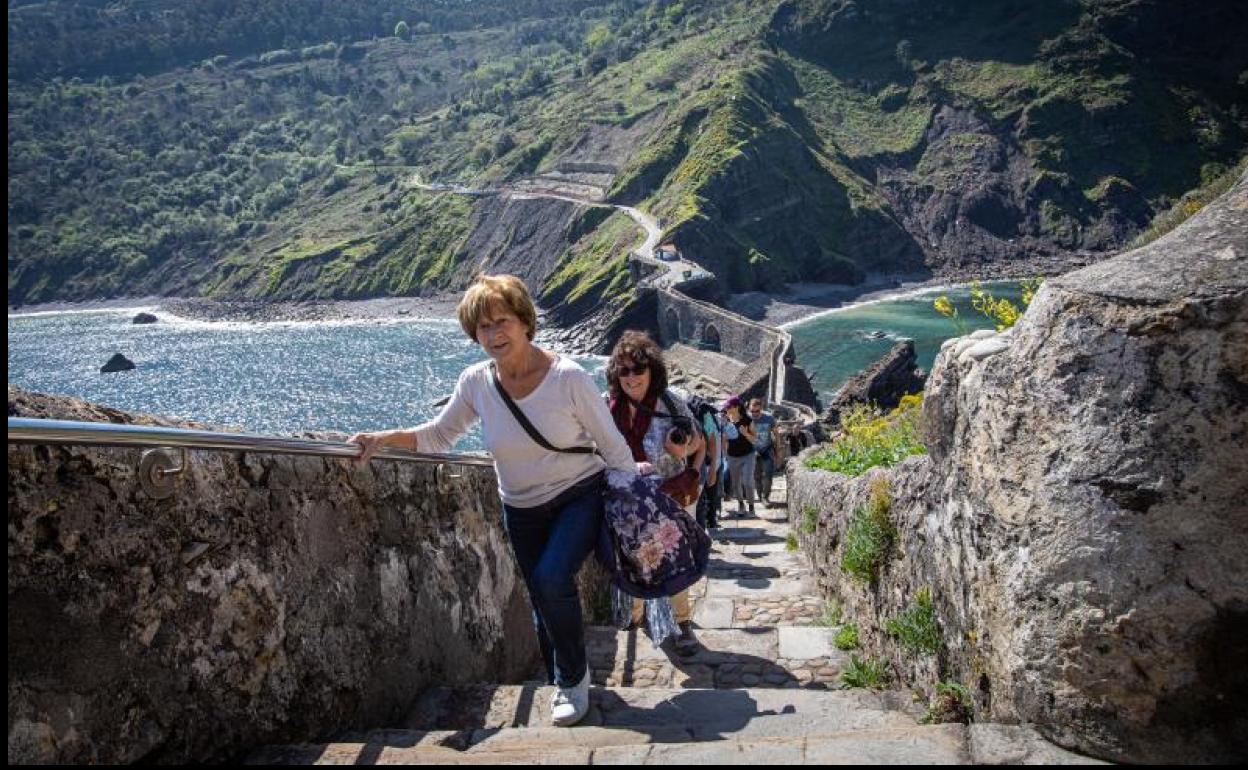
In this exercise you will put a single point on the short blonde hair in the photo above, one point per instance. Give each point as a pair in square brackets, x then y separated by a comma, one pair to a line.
[490, 291]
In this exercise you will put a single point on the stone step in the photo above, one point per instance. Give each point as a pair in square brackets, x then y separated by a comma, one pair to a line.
[916, 744]
[705, 713]
[761, 589]
[758, 613]
[770, 545]
[731, 565]
[785, 656]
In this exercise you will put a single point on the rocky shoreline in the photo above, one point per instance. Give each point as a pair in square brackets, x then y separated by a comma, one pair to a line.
[799, 302]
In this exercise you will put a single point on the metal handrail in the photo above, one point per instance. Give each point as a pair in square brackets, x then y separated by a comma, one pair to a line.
[25, 430]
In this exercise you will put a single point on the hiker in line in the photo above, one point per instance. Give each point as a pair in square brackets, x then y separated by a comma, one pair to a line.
[741, 456]
[646, 411]
[764, 448]
[712, 470]
[552, 501]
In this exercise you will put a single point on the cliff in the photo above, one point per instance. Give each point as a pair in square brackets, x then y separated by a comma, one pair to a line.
[1079, 522]
[778, 141]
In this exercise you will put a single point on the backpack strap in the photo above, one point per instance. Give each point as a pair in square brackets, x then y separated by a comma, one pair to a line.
[528, 426]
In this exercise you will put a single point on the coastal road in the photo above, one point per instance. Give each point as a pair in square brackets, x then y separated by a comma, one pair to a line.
[670, 273]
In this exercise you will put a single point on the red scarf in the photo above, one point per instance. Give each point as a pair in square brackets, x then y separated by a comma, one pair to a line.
[634, 433]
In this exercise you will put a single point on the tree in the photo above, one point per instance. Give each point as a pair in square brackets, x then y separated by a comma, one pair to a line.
[402, 31]
[376, 154]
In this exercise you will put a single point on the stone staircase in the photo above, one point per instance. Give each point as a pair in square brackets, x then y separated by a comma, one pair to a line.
[764, 688]
[702, 371]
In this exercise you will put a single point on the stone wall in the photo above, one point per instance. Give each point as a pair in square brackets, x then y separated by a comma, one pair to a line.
[1080, 521]
[272, 599]
[682, 319]
[767, 352]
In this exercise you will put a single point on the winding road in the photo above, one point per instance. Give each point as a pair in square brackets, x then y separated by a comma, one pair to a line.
[670, 273]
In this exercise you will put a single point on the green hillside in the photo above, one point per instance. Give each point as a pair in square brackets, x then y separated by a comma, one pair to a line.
[273, 154]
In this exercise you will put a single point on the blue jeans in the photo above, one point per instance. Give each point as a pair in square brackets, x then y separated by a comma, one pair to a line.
[550, 542]
[764, 469]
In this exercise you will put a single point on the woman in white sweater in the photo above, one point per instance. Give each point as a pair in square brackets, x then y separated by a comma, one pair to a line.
[552, 500]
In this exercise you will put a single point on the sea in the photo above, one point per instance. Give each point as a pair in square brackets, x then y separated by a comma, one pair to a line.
[283, 378]
[835, 345]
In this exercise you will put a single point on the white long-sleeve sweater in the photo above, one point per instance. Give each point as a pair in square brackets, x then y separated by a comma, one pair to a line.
[565, 408]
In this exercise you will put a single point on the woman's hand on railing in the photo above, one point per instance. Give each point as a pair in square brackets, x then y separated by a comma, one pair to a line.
[370, 444]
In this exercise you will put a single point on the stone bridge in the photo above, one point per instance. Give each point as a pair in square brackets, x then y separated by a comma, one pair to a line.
[770, 361]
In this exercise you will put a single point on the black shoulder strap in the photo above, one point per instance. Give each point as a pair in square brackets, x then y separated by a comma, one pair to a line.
[674, 412]
[671, 405]
[528, 426]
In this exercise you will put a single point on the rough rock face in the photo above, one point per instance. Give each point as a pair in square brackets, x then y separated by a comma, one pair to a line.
[1081, 519]
[883, 383]
[272, 598]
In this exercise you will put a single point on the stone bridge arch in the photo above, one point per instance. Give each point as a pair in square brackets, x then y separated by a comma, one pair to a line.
[671, 326]
[711, 338]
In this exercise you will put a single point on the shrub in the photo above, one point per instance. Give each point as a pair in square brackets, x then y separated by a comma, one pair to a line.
[951, 703]
[832, 615]
[1192, 202]
[1002, 311]
[870, 535]
[865, 673]
[790, 542]
[871, 441]
[846, 638]
[916, 627]
[810, 519]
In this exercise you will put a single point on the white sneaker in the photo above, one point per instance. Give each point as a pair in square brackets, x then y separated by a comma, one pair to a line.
[570, 703]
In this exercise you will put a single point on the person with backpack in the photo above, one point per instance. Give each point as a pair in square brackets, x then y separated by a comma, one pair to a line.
[741, 456]
[661, 433]
[553, 499]
[764, 448]
[708, 420]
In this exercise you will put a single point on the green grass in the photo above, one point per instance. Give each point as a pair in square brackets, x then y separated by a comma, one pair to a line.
[598, 263]
[871, 673]
[869, 536]
[1192, 202]
[810, 519]
[790, 542]
[950, 703]
[857, 123]
[874, 442]
[847, 637]
[832, 616]
[916, 627]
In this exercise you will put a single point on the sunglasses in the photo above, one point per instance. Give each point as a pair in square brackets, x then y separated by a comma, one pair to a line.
[635, 371]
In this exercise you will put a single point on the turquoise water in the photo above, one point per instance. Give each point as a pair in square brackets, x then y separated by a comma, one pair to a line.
[275, 378]
[836, 346]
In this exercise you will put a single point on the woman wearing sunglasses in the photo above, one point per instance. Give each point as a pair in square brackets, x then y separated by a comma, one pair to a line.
[552, 500]
[661, 441]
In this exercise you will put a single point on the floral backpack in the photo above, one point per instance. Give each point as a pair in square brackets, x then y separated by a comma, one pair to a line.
[651, 546]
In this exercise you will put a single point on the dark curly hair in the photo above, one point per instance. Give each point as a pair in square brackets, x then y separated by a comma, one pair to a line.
[635, 349]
